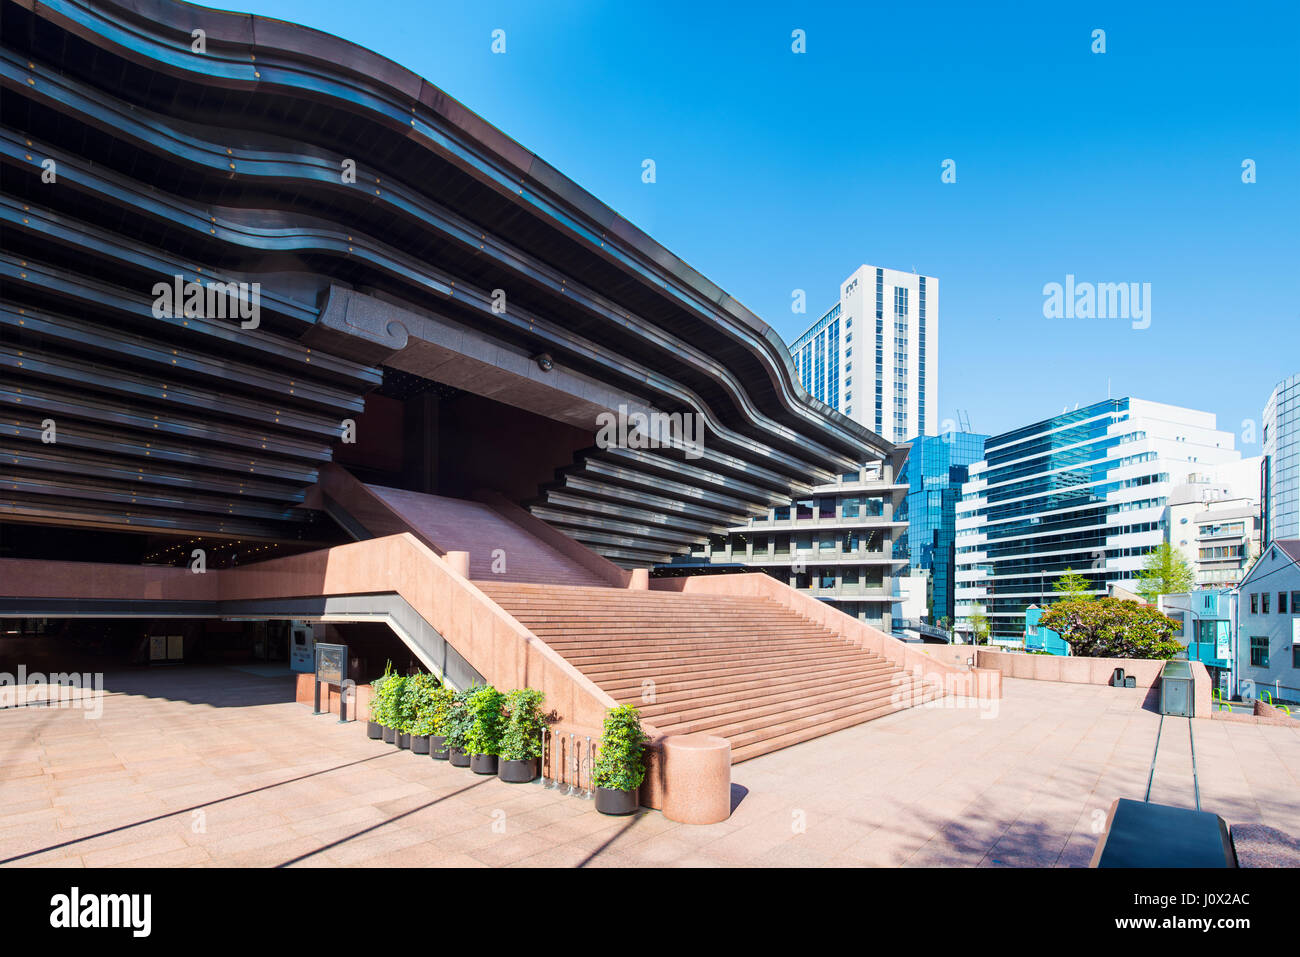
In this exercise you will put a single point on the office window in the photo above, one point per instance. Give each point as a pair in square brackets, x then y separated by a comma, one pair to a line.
[827, 580]
[1254, 603]
[1265, 603]
[1258, 651]
[803, 508]
[1295, 603]
[781, 513]
[826, 507]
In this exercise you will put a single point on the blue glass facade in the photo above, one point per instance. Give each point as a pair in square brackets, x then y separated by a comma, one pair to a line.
[934, 472]
[1280, 475]
[1053, 513]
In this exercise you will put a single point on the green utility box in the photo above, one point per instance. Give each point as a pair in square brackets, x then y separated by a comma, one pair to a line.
[1177, 688]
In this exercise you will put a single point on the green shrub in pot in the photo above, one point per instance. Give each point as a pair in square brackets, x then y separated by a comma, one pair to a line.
[521, 739]
[390, 692]
[620, 766]
[438, 714]
[419, 699]
[456, 728]
[395, 716]
[375, 726]
[483, 740]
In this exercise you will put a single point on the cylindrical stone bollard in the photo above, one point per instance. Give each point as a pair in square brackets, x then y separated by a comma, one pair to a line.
[697, 774]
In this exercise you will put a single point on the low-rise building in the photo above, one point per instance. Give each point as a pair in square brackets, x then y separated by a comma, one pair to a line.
[1207, 620]
[1268, 625]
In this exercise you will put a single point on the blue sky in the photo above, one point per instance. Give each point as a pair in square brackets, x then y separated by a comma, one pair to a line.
[778, 171]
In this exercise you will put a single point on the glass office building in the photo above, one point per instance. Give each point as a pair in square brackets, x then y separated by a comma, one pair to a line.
[1280, 473]
[934, 472]
[1086, 490]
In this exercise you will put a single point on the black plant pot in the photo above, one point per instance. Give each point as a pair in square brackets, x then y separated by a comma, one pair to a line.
[419, 744]
[458, 757]
[483, 763]
[517, 772]
[390, 735]
[437, 749]
[613, 801]
[403, 741]
[374, 730]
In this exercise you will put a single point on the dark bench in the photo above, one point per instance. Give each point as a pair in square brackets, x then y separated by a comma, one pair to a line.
[1139, 834]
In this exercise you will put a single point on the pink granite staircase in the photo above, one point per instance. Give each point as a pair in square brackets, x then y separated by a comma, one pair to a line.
[747, 669]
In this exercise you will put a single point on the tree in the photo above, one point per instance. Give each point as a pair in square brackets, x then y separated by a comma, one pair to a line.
[1072, 586]
[979, 624]
[1112, 628]
[1164, 572]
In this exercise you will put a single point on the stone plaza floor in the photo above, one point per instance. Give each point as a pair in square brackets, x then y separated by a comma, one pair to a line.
[218, 767]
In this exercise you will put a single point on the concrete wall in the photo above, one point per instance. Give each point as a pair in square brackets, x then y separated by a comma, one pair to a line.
[1094, 671]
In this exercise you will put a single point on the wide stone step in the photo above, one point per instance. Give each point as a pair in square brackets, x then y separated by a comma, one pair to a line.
[687, 637]
[809, 728]
[575, 649]
[660, 668]
[750, 688]
[864, 708]
[620, 686]
[596, 665]
[781, 699]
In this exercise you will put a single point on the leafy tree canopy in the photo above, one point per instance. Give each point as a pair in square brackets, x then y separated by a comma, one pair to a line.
[1164, 572]
[1072, 586]
[1111, 628]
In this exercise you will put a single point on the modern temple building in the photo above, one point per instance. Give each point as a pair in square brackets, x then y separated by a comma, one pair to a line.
[289, 334]
[887, 377]
[1087, 490]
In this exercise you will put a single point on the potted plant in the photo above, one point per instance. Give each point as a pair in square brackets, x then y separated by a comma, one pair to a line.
[419, 691]
[521, 740]
[389, 693]
[483, 739]
[403, 711]
[440, 699]
[375, 727]
[620, 767]
[456, 728]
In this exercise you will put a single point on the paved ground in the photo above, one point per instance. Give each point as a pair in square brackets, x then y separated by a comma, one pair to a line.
[215, 767]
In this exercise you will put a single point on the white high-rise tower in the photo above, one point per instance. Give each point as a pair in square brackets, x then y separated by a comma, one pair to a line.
[873, 355]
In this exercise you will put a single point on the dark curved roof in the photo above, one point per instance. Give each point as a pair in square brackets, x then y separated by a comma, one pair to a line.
[227, 162]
